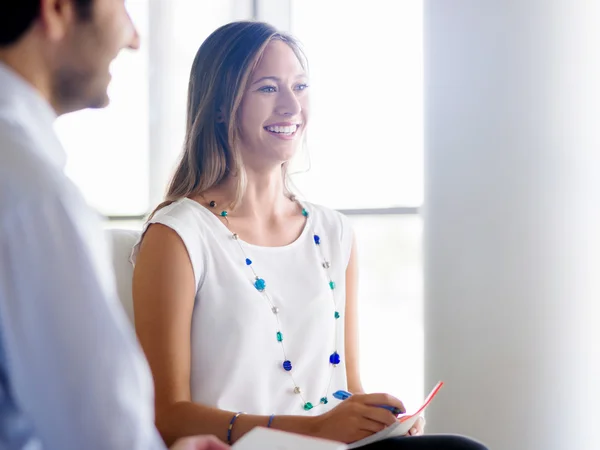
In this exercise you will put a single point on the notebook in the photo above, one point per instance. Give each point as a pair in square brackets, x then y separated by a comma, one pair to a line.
[269, 439]
[402, 426]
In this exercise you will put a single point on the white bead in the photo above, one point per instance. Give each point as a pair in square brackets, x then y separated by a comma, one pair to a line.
[297, 390]
[275, 310]
[326, 265]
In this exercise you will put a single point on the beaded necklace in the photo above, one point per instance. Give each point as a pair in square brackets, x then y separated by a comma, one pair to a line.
[260, 285]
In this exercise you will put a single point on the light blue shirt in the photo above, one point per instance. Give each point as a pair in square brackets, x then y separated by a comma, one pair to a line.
[72, 375]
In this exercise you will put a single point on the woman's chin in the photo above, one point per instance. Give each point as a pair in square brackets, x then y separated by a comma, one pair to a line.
[283, 154]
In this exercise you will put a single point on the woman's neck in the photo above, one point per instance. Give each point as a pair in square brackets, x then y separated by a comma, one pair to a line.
[264, 195]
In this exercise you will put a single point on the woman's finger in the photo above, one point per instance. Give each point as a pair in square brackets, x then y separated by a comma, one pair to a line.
[381, 399]
[418, 427]
[379, 415]
[372, 426]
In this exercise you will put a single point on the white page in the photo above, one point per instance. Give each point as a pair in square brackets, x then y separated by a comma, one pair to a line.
[269, 439]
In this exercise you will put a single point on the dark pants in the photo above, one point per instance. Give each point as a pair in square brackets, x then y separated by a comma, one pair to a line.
[429, 442]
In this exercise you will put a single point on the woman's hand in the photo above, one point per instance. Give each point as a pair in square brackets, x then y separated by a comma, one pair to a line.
[357, 417]
[418, 429]
[199, 443]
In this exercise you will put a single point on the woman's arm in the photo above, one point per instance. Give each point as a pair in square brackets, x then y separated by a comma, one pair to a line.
[351, 324]
[163, 297]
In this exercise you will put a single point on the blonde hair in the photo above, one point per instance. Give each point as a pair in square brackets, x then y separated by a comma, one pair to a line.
[219, 77]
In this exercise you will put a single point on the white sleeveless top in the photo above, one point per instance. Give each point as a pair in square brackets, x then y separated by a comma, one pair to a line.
[236, 360]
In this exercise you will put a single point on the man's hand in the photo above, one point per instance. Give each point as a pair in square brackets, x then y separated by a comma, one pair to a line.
[199, 443]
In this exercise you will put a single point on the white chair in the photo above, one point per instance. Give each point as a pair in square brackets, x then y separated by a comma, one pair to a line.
[122, 242]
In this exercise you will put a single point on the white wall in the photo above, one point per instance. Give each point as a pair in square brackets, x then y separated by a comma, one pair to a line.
[512, 224]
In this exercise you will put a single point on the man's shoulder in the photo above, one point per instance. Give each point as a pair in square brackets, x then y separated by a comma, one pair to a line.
[23, 173]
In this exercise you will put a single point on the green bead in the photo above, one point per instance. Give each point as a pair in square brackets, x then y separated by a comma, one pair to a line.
[279, 336]
[223, 213]
[308, 406]
[304, 212]
[337, 315]
[332, 285]
[324, 400]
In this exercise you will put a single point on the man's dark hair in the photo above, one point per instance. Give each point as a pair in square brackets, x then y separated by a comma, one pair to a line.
[16, 16]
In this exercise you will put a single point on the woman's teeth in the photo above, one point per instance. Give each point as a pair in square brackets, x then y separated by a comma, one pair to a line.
[288, 130]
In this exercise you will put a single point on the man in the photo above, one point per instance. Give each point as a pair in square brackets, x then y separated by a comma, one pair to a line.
[71, 373]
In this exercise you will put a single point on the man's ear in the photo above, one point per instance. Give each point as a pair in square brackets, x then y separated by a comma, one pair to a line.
[56, 17]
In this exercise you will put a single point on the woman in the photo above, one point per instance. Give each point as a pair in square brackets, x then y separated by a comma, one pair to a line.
[246, 298]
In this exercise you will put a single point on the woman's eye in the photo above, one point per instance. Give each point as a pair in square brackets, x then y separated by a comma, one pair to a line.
[301, 87]
[267, 89]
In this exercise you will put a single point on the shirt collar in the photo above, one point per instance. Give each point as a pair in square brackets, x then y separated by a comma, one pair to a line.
[25, 104]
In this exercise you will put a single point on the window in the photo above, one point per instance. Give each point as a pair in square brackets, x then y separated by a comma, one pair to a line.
[108, 148]
[366, 68]
[123, 172]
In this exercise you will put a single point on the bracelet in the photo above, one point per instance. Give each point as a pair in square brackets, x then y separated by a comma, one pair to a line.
[235, 416]
[270, 420]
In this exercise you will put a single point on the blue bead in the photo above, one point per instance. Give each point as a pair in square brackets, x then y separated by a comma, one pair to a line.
[324, 400]
[223, 213]
[336, 315]
[248, 261]
[334, 358]
[317, 239]
[304, 212]
[332, 285]
[287, 365]
[260, 284]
